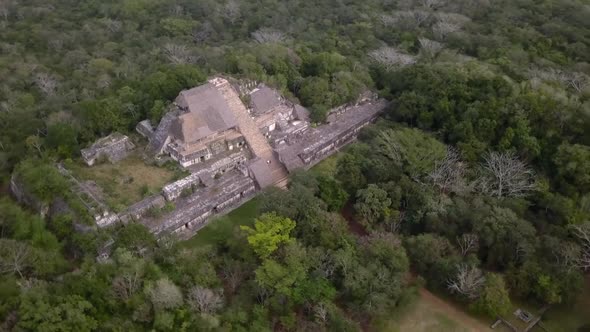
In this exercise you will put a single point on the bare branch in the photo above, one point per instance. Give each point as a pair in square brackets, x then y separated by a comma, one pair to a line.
[467, 282]
[46, 83]
[582, 233]
[231, 11]
[15, 257]
[504, 175]
[448, 173]
[468, 242]
[448, 23]
[268, 36]
[391, 58]
[204, 300]
[177, 54]
[320, 312]
[430, 48]
[575, 80]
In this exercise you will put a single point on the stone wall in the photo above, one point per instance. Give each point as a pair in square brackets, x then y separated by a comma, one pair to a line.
[138, 210]
[114, 147]
[192, 212]
[324, 140]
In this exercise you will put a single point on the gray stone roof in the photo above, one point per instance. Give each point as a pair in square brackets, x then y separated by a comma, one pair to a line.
[264, 99]
[208, 110]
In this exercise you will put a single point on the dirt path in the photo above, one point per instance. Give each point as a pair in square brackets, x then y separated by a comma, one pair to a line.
[452, 312]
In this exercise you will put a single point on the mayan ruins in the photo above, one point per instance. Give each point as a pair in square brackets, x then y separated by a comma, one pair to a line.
[233, 139]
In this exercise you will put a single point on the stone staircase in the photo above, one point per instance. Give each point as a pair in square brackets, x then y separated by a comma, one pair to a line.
[256, 141]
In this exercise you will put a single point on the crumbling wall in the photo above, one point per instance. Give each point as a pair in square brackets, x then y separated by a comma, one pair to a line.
[114, 147]
[136, 211]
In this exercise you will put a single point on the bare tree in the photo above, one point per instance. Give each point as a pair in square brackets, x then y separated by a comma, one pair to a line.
[177, 54]
[320, 312]
[575, 80]
[268, 35]
[231, 11]
[204, 300]
[448, 172]
[406, 20]
[233, 273]
[391, 58]
[430, 48]
[448, 23]
[46, 83]
[164, 294]
[467, 282]
[468, 242]
[582, 233]
[504, 175]
[432, 4]
[113, 26]
[126, 285]
[177, 10]
[202, 33]
[15, 257]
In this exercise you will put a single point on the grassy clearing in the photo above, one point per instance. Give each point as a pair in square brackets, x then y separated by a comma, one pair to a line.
[125, 182]
[221, 228]
[425, 315]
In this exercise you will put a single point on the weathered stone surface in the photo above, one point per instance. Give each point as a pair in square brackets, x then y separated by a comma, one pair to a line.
[145, 129]
[192, 212]
[138, 210]
[324, 140]
[114, 147]
[203, 176]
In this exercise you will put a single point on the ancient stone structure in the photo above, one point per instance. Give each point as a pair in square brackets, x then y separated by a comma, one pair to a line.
[114, 148]
[320, 142]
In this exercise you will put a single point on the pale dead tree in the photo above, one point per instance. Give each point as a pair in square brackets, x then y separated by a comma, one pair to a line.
[504, 175]
[467, 282]
[406, 19]
[325, 264]
[320, 312]
[394, 223]
[103, 81]
[432, 4]
[128, 284]
[112, 25]
[568, 256]
[582, 233]
[231, 11]
[268, 36]
[202, 33]
[177, 10]
[4, 10]
[391, 58]
[430, 48]
[575, 80]
[177, 54]
[448, 23]
[15, 257]
[46, 83]
[467, 243]
[204, 300]
[164, 294]
[448, 172]
[233, 273]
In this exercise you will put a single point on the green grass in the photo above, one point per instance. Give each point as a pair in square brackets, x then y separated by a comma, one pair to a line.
[221, 228]
[327, 166]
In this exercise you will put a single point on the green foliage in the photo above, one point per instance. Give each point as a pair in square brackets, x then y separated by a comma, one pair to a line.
[332, 193]
[494, 300]
[269, 232]
[372, 204]
[42, 180]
